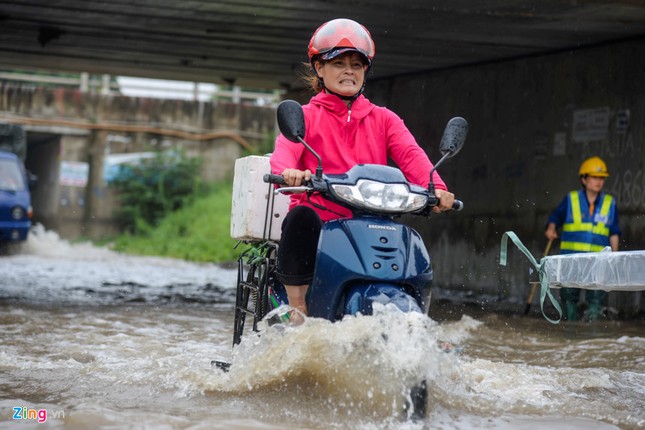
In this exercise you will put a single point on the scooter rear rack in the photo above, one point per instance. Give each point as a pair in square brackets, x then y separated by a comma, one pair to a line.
[256, 269]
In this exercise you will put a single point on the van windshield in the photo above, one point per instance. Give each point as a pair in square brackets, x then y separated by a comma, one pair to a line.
[11, 178]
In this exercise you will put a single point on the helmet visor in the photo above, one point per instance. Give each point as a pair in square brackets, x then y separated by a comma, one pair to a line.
[330, 55]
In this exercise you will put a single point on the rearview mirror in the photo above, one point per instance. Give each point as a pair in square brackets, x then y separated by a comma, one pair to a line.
[454, 137]
[32, 180]
[291, 120]
[452, 141]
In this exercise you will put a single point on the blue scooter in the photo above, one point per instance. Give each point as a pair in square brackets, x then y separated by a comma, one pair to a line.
[367, 259]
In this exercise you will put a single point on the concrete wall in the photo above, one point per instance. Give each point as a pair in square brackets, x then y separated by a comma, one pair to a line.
[532, 122]
[67, 129]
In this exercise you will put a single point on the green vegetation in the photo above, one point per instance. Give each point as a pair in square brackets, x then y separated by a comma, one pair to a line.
[154, 188]
[199, 231]
[166, 210]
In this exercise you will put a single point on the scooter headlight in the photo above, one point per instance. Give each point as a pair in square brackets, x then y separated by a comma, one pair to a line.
[380, 197]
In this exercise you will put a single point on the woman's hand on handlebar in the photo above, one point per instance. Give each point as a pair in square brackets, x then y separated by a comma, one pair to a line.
[446, 200]
[295, 177]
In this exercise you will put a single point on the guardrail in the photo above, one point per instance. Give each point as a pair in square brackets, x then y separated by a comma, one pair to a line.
[141, 87]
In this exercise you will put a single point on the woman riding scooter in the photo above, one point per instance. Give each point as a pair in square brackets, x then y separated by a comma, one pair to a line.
[345, 129]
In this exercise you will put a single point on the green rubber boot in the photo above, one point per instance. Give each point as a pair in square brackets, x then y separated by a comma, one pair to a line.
[595, 298]
[569, 297]
[594, 312]
[570, 311]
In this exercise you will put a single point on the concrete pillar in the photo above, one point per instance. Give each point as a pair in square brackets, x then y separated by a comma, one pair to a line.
[85, 82]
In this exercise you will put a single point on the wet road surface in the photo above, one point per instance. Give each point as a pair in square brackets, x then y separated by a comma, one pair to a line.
[101, 340]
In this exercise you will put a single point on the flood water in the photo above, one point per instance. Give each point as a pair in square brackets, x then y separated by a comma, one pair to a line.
[100, 340]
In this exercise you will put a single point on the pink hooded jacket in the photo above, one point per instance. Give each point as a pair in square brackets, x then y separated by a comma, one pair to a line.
[366, 134]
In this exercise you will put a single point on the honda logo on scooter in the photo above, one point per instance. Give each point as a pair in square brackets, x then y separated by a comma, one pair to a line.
[381, 227]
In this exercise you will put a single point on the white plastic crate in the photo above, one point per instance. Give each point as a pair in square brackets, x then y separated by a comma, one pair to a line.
[606, 270]
[251, 215]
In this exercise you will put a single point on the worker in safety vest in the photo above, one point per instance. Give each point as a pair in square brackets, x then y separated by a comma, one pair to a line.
[589, 222]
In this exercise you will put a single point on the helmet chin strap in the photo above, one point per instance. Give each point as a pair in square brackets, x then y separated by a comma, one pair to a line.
[342, 97]
[345, 98]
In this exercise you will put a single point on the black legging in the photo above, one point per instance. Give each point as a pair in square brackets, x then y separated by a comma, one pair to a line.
[298, 245]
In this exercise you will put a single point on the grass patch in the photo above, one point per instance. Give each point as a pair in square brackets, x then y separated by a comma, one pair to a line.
[197, 232]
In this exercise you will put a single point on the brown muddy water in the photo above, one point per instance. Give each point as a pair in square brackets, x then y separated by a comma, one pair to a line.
[95, 339]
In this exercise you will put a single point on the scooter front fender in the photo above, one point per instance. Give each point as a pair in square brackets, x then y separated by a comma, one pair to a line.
[360, 298]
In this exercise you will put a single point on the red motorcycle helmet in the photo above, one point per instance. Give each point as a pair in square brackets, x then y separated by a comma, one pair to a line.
[338, 36]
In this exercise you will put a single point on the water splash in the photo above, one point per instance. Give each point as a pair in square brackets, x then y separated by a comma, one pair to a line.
[363, 364]
[48, 243]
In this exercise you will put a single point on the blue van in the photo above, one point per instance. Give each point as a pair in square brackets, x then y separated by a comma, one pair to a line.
[15, 199]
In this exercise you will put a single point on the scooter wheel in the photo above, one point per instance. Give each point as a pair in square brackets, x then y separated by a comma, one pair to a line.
[416, 408]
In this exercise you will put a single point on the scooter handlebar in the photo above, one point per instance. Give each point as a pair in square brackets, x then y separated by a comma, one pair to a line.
[457, 205]
[274, 179]
[279, 179]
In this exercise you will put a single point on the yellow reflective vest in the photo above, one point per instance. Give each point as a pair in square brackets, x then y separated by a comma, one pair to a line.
[584, 232]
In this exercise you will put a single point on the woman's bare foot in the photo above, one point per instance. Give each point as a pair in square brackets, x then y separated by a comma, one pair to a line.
[296, 295]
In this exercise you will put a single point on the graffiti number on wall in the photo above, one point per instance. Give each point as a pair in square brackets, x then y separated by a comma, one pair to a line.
[629, 189]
